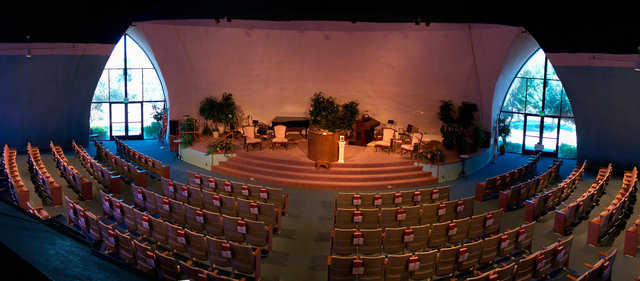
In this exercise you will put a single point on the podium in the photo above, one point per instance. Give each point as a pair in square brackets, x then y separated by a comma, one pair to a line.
[364, 130]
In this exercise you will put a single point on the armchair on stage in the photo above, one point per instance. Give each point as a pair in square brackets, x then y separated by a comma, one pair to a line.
[387, 138]
[414, 147]
[249, 133]
[280, 136]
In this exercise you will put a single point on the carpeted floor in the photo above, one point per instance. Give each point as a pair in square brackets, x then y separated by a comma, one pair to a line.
[300, 250]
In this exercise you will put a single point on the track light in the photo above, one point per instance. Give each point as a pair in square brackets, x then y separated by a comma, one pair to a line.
[27, 52]
[228, 19]
[637, 67]
[217, 20]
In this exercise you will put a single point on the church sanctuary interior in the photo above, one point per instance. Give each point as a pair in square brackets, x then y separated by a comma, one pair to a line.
[185, 140]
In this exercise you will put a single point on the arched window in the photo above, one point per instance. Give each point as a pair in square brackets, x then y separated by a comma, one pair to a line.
[122, 107]
[538, 111]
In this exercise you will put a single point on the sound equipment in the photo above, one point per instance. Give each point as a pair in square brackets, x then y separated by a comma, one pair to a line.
[174, 127]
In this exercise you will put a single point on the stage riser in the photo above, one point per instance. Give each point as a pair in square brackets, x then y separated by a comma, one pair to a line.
[325, 185]
[320, 176]
[312, 164]
[238, 162]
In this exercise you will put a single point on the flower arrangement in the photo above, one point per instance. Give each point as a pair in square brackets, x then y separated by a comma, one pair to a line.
[432, 156]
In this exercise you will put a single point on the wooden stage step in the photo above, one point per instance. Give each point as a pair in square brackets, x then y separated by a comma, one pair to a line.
[303, 174]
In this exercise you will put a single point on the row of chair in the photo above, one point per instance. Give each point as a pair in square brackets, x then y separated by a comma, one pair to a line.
[275, 196]
[133, 244]
[41, 178]
[498, 183]
[600, 271]
[631, 238]
[215, 223]
[582, 206]
[392, 199]
[109, 179]
[535, 266]
[435, 264]
[548, 200]
[197, 199]
[122, 167]
[413, 239]
[11, 175]
[614, 213]
[152, 165]
[70, 174]
[514, 196]
[403, 216]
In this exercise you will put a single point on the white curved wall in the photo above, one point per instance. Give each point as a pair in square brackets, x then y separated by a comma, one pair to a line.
[396, 71]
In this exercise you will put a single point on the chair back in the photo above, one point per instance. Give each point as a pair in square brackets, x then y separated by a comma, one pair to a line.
[280, 131]
[416, 138]
[387, 134]
[249, 132]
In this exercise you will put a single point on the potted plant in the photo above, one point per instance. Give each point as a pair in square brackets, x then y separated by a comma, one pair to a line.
[187, 127]
[504, 130]
[329, 120]
[459, 128]
[221, 113]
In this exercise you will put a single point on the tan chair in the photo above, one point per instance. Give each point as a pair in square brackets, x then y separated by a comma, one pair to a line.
[340, 268]
[164, 206]
[386, 199]
[269, 214]
[145, 258]
[469, 255]
[247, 209]
[277, 197]
[344, 218]
[150, 201]
[108, 235]
[524, 269]
[177, 238]
[138, 196]
[562, 252]
[159, 230]
[492, 222]
[167, 267]
[464, 207]
[429, 214]
[489, 249]
[393, 240]
[441, 194]
[385, 143]
[461, 230]
[438, 236]
[168, 187]
[245, 260]
[373, 268]
[178, 212]
[258, 234]
[505, 273]
[94, 227]
[280, 138]
[343, 241]
[229, 207]
[219, 252]
[254, 192]
[182, 192]
[525, 236]
[544, 262]
[211, 201]
[388, 217]
[234, 228]
[507, 242]
[446, 261]
[126, 250]
[129, 217]
[369, 219]
[446, 211]
[420, 238]
[348, 200]
[249, 133]
[396, 268]
[414, 147]
[197, 245]
[191, 272]
[372, 242]
[427, 265]
[412, 216]
[194, 218]
[143, 223]
[476, 227]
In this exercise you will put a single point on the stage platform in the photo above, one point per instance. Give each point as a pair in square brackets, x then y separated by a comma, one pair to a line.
[363, 169]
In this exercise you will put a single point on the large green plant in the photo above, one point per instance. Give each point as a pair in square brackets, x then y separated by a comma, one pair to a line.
[504, 128]
[326, 114]
[186, 127]
[219, 111]
[459, 129]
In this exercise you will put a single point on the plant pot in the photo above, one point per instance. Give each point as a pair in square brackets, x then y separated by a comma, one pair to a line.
[502, 149]
[216, 134]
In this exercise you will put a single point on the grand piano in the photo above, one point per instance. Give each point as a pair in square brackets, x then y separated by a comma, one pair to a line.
[294, 124]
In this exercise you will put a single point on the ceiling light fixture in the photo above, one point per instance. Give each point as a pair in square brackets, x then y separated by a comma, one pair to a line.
[27, 51]
[637, 66]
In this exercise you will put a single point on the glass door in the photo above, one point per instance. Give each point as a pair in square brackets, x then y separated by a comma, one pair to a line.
[550, 135]
[129, 125]
[531, 133]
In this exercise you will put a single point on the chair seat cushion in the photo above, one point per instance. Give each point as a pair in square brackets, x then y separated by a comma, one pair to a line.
[407, 147]
[383, 143]
[253, 141]
[279, 140]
